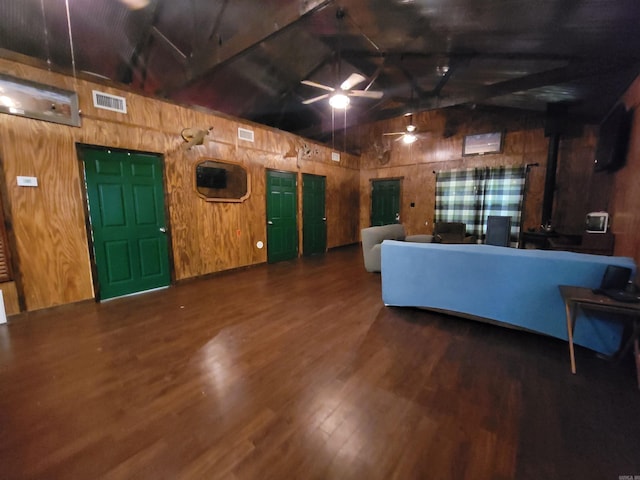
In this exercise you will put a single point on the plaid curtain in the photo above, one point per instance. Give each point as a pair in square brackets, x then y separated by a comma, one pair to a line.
[459, 197]
[471, 195]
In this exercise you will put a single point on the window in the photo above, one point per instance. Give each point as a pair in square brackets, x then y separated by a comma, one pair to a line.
[472, 194]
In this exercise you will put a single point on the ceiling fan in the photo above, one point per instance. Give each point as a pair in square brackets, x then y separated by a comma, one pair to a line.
[339, 97]
[410, 133]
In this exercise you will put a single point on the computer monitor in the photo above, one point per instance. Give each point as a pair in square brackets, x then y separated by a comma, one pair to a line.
[615, 278]
[498, 230]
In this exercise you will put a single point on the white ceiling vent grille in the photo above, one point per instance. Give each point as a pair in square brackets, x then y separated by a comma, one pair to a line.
[246, 135]
[109, 102]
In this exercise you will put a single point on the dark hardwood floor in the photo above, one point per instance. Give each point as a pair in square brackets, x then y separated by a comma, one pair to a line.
[297, 370]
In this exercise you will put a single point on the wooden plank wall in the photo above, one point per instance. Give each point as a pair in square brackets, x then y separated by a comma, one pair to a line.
[10, 298]
[441, 149]
[48, 222]
[625, 203]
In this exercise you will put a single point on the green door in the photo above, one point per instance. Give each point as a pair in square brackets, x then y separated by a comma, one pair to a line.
[282, 210]
[385, 202]
[314, 222]
[126, 205]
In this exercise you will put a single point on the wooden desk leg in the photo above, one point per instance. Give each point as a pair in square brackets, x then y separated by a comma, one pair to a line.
[571, 320]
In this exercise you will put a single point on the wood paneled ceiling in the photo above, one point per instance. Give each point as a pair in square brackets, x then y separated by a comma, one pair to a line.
[247, 58]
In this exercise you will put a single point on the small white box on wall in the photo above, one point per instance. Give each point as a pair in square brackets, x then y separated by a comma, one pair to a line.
[27, 181]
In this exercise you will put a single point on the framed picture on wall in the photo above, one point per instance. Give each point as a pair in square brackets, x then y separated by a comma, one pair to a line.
[482, 144]
[41, 102]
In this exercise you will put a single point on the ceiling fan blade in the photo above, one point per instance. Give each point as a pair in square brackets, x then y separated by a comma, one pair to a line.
[394, 133]
[315, 99]
[353, 80]
[365, 93]
[317, 85]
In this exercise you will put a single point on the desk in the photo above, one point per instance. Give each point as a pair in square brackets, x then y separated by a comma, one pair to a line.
[594, 243]
[580, 297]
[538, 239]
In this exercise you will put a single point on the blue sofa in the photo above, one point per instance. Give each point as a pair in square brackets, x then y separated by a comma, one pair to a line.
[512, 286]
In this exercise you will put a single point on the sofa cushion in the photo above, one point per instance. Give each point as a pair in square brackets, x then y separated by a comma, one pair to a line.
[419, 238]
[448, 238]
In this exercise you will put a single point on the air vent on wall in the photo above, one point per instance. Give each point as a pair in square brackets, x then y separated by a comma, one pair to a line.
[109, 102]
[244, 134]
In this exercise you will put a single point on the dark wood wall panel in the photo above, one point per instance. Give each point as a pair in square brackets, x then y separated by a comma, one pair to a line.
[10, 298]
[49, 221]
[625, 203]
[574, 177]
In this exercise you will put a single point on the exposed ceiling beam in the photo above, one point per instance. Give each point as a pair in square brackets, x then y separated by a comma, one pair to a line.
[569, 73]
[173, 48]
[137, 60]
[215, 28]
[410, 78]
[214, 55]
[454, 65]
[556, 76]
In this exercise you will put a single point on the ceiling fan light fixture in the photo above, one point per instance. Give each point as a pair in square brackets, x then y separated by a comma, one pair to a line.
[339, 101]
[409, 138]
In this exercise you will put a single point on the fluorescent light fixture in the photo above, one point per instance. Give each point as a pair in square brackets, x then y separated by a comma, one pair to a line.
[409, 138]
[339, 101]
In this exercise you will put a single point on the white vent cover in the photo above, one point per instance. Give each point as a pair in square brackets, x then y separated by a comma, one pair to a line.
[245, 134]
[109, 102]
[335, 156]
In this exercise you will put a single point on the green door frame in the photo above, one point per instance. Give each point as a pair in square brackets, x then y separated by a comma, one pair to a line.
[314, 220]
[385, 201]
[282, 215]
[128, 241]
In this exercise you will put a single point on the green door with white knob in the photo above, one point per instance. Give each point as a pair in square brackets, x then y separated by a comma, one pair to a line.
[282, 216]
[385, 202]
[127, 211]
[314, 221]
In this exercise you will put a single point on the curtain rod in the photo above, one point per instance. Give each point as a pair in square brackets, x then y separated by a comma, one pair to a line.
[526, 165]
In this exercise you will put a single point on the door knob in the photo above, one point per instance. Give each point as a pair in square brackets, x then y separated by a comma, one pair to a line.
[324, 219]
[269, 222]
[163, 230]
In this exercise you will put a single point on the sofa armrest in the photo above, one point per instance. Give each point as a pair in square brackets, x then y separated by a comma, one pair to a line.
[372, 259]
[372, 238]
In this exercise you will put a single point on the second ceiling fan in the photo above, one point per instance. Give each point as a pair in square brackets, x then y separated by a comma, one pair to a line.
[410, 133]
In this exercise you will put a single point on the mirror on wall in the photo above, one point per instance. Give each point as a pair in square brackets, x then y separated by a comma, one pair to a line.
[220, 181]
